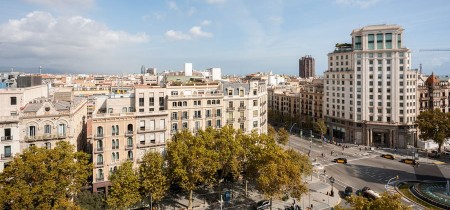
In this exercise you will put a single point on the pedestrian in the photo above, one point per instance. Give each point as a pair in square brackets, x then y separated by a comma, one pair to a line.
[322, 154]
[360, 149]
[324, 171]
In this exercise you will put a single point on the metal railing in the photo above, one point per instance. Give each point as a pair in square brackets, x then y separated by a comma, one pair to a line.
[6, 156]
[7, 138]
[44, 137]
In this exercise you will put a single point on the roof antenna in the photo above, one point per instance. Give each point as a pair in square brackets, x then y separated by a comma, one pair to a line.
[420, 68]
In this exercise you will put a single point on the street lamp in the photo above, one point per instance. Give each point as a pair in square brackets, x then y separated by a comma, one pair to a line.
[387, 184]
[290, 134]
[332, 182]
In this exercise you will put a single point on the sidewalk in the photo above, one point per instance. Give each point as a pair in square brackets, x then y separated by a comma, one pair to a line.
[317, 196]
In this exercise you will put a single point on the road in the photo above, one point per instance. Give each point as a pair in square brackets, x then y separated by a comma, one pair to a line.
[365, 168]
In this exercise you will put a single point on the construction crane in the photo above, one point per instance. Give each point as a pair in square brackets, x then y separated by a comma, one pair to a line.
[431, 50]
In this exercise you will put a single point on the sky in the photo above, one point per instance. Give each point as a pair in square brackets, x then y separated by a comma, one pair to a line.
[239, 36]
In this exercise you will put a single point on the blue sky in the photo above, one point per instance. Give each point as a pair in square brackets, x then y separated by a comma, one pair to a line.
[240, 36]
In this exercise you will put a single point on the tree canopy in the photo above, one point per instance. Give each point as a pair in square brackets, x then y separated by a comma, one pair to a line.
[283, 136]
[435, 125]
[41, 178]
[124, 187]
[386, 201]
[153, 179]
[320, 127]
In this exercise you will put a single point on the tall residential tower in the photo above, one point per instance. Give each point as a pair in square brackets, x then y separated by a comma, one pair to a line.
[306, 67]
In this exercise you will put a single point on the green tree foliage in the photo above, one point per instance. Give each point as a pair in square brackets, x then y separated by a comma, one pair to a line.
[41, 178]
[230, 152]
[387, 201]
[124, 187]
[320, 127]
[90, 201]
[283, 136]
[153, 180]
[271, 131]
[191, 162]
[435, 125]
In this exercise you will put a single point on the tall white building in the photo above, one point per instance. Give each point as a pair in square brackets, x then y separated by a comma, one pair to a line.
[370, 90]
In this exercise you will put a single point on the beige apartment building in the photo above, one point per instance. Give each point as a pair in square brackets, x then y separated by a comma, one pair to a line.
[126, 126]
[46, 121]
[11, 102]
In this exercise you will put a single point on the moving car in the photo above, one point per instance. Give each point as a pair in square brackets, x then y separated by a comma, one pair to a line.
[318, 167]
[370, 194]
[348, 191]
[388, 156]
[262, 204]
[408, 161]
[340, 160]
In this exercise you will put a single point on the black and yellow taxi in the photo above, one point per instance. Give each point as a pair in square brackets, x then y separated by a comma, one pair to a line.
[408, 161]
[388, 156]
[340, 160]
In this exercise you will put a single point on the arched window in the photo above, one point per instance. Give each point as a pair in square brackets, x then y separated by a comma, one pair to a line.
[130, 128]
[100, 159]
[100, 174]
[117, 130]
[99, 131]
[184, 103]
[130, 142]
[113, 144]
[130, 155]
[99, 145]
[113, 131]
[117, 156]
[113, 157]
[48, 145]
[62, 129]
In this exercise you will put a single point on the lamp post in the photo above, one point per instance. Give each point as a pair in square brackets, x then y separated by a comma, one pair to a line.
[332, 182]
[290, 134]
[387, 184]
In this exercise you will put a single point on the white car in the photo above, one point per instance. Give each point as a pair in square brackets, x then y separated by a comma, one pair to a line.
[318, 167]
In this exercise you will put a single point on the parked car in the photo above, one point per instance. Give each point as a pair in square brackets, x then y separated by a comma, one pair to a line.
[318, 167]
[348, 191]
[262, 204]
[340, 160]
[388, 156]
[408, 161]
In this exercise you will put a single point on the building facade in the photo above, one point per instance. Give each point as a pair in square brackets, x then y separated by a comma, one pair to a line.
[433, 93]
[370, 90]
[306, 67]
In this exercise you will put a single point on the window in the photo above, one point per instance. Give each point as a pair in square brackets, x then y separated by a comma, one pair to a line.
[13, 100]
[100, 174]
[141, 101]
[255, 102]
[184, 125]
[129, 141]
[7, 150]
[99, 145]
[255, 113]
[218, 113]
[161, 101]
[100, 159]
[174, 115]
[218, 124]
[151, 101]
[130, 155]
[32, 130]
[399, 42]
[358, 43]
[379, 41]
[113, 130]
[255, 124]
[371, 41]
[174, 127]
[47, 129]
[388, 37]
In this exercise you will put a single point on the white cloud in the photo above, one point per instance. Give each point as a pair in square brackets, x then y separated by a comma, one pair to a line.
[196, 31]
[42, 35]
[215, 1]
[177, 35]
[357, 3]
[206, 22]
[172, 5]
[63, 3]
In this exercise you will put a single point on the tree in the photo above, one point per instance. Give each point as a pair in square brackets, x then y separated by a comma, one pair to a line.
[320, 127]
[41, 178]
[124, 187]
[386, 201]
[283, 136]
[271, 131]
[154, 182]
[435, 125]
[90, 201]
[190, 162]
[230, 152]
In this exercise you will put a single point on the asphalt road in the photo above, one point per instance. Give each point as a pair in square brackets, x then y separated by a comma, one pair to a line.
[365, 168]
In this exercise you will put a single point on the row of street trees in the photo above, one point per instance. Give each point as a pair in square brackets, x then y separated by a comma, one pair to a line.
[206, 159]
[435, 125]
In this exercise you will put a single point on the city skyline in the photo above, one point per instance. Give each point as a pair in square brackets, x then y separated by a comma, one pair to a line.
[92, 36]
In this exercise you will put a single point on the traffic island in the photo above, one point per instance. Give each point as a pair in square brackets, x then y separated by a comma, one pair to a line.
[430, 195]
